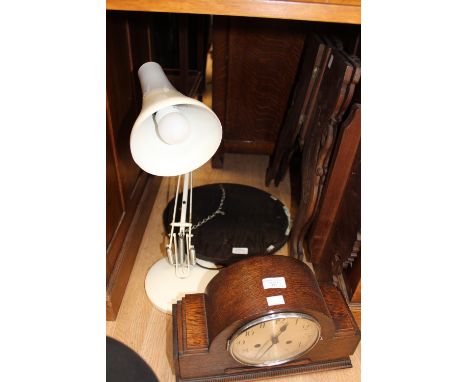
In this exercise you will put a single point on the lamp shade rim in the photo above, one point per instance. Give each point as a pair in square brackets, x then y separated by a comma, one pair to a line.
[157, 157]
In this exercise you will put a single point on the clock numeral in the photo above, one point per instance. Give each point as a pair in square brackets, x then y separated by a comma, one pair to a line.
[262, 325]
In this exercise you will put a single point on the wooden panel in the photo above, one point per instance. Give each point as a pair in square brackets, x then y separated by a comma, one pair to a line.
[140, 42]
[346, 225]
[348, 143]
[220, 68]
[122, 108]
[122, 97]
[356, 311]
[336, 11]
[263, 59]
[338, 310]
[319, 140]
[255, 63]
[140, 47]
[301, 106]
[120, 235]
[195, 330]
[128, 46]
[314, 61]
[114, 206]
[352, 278]
[165, 43]
[126, 256]
[219, 77]
[201, 27]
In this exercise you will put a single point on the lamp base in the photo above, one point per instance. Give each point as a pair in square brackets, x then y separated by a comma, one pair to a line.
[164, 288]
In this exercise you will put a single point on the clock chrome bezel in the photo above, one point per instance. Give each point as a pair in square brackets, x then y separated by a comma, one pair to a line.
[270, 317]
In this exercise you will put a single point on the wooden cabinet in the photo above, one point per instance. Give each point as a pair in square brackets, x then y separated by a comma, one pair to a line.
[256, 61]
[129, 191]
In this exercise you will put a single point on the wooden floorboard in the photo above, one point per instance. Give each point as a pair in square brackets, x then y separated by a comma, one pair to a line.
[148, 331]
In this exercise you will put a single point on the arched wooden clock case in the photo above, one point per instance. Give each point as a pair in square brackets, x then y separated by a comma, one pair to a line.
[205, 324]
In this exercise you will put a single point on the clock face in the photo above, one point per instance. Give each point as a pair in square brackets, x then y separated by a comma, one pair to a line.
[274, 339]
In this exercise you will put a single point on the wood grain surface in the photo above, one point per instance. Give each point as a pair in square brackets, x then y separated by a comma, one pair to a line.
[320, 136]
[239, 282]
[336, 11]
[301, 107]
[255, 63]
[235, 297]
[127, 187]
[348, 145]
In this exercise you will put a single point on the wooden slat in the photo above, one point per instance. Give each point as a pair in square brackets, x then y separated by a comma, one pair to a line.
[349, 140]
[123, 264]
[195, 333]
[114, 196]
[337, 11]
[220, 68]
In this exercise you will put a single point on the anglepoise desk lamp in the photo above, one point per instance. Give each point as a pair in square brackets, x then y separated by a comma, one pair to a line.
[172, 136]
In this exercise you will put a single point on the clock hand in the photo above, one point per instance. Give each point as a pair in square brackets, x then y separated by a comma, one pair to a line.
[281, 330]
[262, 347]
[269, 347]
[274, 340]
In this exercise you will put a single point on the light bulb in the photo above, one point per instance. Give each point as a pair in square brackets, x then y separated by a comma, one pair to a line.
[171, 125]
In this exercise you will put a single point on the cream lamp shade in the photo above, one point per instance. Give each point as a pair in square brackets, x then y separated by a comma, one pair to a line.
[173, 134]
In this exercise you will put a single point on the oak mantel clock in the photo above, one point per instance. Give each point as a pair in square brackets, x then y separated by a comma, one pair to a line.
[261, 317]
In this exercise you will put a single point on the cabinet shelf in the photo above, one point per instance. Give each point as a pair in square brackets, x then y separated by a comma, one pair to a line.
[335, 11]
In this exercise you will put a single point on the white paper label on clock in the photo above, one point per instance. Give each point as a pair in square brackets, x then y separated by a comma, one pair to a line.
[275, 300]
[274, 282]
[240, 251]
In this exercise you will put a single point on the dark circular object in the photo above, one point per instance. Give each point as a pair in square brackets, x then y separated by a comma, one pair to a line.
[233, 221]
[125, 365]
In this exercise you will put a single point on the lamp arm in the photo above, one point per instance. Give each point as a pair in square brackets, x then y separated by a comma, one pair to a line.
[183, 211]
[180, 251]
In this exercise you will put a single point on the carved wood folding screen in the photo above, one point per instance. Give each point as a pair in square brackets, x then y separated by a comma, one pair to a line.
[301, 107]
[347, 157]
[335, 239]
[322, 95]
